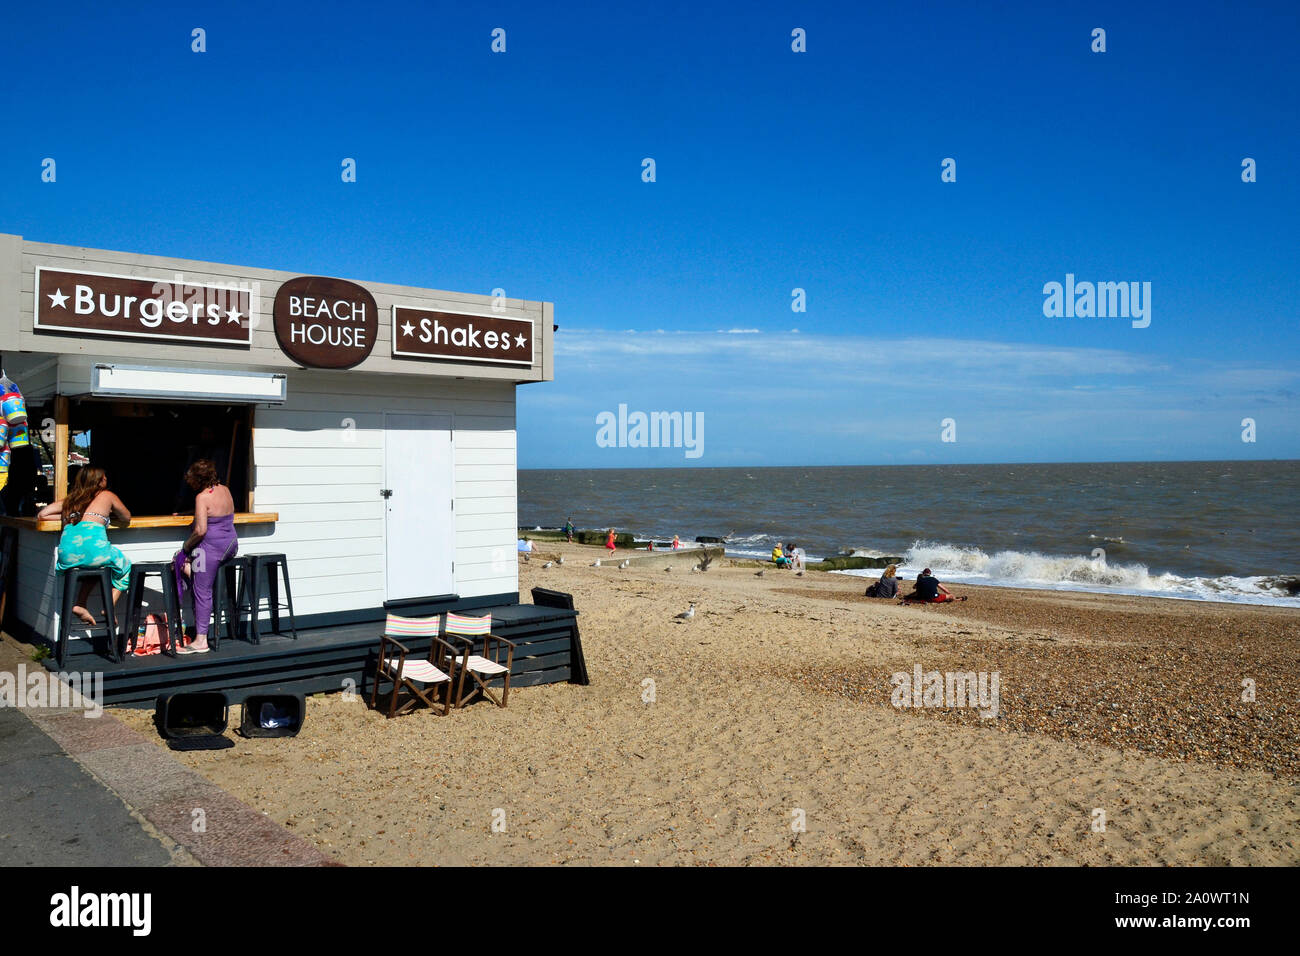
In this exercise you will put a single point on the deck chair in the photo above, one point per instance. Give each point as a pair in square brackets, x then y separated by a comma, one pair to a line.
[438, 671]
[481, 668]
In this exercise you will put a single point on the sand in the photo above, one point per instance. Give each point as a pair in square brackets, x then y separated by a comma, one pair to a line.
[762, 732]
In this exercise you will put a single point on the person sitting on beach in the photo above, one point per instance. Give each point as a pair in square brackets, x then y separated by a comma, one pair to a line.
[778, 556]
[86, 512]
[887, 586]
[928, 590]
[796, 557]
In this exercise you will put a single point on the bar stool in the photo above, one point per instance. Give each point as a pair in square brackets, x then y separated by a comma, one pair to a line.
[230, 597]
[72, 579]
[166, 572]
[266, 565]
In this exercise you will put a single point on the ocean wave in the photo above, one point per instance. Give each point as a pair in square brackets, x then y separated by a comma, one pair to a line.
[871, 553]
[1031, 569]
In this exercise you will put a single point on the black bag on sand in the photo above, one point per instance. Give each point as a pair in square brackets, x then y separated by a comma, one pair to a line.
[873, 590]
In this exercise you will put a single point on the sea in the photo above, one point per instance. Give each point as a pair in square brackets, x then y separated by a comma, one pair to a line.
[1203, 530]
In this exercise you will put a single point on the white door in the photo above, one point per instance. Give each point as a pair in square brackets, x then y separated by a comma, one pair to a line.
[419, 513]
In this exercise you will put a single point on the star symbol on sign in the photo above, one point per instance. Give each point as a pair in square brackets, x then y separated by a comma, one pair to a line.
[232, 315]
[520, 341]
[57, 299]
[408, 328]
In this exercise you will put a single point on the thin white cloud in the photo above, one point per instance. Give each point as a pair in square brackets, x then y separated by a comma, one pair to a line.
[854, 355]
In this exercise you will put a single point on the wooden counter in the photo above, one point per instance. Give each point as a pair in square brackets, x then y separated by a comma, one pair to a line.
[141, 521]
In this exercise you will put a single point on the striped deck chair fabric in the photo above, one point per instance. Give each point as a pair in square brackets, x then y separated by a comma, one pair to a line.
[423, 671]
[462, 625]
[395, 662]
[485, 668]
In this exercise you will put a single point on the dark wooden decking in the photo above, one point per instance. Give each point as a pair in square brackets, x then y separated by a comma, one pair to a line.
[323, 659]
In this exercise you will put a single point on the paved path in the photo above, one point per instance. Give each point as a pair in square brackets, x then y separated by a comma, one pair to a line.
[54, 813]
[90, 791]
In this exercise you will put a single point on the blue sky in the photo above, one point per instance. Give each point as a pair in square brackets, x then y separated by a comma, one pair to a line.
[775, 170]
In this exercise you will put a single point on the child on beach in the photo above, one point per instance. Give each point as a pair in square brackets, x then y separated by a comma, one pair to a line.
[676, 542]
[609, 542]
[568, 530]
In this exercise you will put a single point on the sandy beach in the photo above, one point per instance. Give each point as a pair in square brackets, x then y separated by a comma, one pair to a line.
[762, 732]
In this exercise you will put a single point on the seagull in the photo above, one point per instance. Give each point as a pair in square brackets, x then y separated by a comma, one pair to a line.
[625, 563]
[596, 563]
[688, 613]
[561, 559]
[666, 570]
[695, 570]
[547, 565]
[758, 574]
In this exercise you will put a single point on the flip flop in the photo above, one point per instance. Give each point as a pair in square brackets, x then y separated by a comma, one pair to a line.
[188, 649]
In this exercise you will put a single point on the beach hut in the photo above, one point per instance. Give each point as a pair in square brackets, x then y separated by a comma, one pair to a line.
[366, 430]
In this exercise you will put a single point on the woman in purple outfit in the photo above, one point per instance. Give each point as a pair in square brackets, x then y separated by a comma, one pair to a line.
[212, 542]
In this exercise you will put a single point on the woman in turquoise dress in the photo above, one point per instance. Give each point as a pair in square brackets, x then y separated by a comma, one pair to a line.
[86, 513]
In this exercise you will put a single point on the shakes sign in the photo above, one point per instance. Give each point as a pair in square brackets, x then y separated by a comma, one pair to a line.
[94, 303]
[422, 333]
[325, 323]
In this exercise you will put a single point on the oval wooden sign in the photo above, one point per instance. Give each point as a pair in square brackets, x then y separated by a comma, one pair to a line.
[325, 323]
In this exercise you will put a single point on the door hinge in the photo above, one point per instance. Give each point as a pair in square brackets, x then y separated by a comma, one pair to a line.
[386, 492]
[453, 504]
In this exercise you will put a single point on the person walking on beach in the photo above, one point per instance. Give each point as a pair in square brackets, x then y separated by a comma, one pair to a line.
[568, 530]
[212, 541]
[609, 541]
[677, 542]
[85, 513]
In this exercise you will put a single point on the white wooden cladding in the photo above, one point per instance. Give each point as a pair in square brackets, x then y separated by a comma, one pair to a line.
[324, 478]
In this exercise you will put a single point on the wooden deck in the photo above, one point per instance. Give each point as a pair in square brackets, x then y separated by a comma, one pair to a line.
[322, 659]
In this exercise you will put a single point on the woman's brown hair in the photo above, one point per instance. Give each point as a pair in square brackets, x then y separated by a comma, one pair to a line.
[82, 494]
[891, 570]
[202, 475]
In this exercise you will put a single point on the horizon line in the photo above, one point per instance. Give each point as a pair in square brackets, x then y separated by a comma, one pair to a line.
[946, 464]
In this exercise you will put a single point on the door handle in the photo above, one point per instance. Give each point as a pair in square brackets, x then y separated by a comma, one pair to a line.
[386, 492]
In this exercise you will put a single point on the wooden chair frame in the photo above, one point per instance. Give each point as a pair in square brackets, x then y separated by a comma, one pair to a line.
[441, 655]
[492, 647]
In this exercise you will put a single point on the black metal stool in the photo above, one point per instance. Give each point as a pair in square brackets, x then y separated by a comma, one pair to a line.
[230, 597]
[72, 579]
[264, 566]
[135, 603]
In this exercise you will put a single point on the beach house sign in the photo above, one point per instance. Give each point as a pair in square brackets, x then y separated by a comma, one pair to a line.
[325, 323]
[96, 303]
